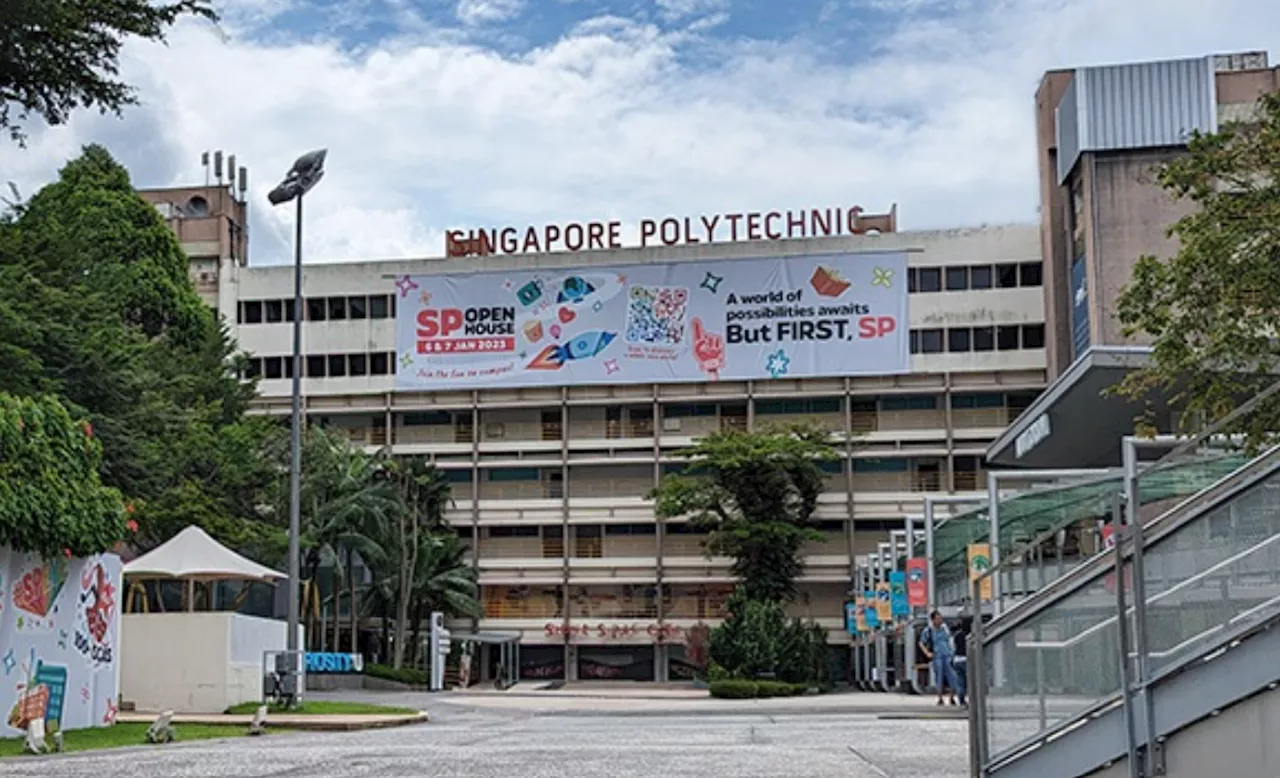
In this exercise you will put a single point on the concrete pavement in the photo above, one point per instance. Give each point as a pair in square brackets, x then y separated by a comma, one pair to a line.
[493, 743]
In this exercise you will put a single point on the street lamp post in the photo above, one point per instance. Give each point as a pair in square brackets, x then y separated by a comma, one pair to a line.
[305, 174]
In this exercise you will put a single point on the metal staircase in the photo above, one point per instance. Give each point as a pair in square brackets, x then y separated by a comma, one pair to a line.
[1129, 664]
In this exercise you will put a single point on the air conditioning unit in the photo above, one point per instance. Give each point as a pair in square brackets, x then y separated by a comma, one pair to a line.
[671, 425]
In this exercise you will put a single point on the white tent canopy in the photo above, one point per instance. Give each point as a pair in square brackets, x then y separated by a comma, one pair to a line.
[193, 555]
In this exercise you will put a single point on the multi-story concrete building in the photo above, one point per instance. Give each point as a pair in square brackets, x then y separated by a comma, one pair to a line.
[550, 483]
[1101, 132]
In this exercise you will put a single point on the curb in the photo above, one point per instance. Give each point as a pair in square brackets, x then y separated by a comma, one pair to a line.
[319, 723]
[880, 713]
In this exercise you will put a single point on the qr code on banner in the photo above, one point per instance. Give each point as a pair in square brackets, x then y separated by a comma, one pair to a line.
[655, 314]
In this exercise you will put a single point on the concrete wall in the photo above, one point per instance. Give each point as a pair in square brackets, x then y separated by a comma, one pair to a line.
[194, 662]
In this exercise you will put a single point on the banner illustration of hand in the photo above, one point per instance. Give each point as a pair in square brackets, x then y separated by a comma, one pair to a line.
[708, 349]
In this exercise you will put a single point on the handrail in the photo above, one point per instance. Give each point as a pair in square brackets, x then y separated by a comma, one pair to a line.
[1227, 640]
[1162, 525]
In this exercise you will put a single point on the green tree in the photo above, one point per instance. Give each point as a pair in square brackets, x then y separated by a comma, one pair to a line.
[60, 55]
[51, 498]
[1212, 310]
[425, 494]
[443, 580]
[97, 308]
[757, 641]
[754, 493]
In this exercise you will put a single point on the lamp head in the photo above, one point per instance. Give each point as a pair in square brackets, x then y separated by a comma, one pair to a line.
[305, 174]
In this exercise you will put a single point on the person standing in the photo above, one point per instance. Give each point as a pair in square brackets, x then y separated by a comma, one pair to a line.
[960, 640]
[935, 642]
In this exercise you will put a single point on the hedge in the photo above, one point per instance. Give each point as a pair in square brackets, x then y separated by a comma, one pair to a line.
[409, 676]
[736, 689]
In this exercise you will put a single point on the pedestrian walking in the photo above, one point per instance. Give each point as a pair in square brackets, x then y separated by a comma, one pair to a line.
[960, 640]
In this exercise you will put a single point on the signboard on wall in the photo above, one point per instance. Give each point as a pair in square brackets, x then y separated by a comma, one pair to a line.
[59, 640]
[1080, 336]
[979, 555]
[794, 317]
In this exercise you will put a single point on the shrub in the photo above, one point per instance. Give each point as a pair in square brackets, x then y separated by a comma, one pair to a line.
[734, 690]
[405, 675]
[774, 689]
[758, 640]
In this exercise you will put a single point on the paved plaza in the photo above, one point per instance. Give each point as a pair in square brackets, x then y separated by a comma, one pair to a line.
[468, 740]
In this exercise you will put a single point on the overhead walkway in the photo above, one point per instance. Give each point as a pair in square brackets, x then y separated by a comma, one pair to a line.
[1062, 685]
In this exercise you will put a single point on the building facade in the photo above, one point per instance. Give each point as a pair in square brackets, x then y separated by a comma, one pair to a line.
[549, 484]
[1100, 133]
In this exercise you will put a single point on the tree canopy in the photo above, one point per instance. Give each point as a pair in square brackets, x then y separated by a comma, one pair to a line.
[1213, 309]
[97, 309]
[754, 494]
[51, 498]
[60, 55]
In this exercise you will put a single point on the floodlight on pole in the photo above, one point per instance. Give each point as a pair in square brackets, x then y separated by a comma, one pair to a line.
[301, 178]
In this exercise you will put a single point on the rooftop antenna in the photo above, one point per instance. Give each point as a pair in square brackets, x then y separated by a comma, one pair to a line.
[217, 166]
[204, 160]
[231, 174]
[244, 183]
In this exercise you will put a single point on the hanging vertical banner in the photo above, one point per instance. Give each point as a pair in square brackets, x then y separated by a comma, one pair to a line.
[869, 611]
[884, 607]
[851, 617]
[917, 582]
[898, 594]
[860, 607]
[979, 563]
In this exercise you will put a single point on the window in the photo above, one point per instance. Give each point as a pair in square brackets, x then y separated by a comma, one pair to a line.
[378, 307]
[513, 532]
[315, 366]
[379, 363]
[984, 338]
[272, 367]
[457, 476]
[254, 368]
[337, 308]
[357, 364]
[1031, 274]
[913, 340]
[931, 341]
[288, 310]
[275, 311]
[252, 313]
[1007, 337]
[930, 279]
[391, 362]
[1033, 336]
[427, 418]
[910, 402]
[834, 468]
[315, 309]
[357, 308]
[631, 529]
[957, 279]
[1006, 276]
[980, 277]
[770, 407]
[880, 466]
[337, 365]
[959, 340]
[513, 474]
[681, 411]
[977, 401]
[913, 280]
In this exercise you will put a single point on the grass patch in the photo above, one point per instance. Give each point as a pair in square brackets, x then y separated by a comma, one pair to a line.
[325, 708]
[124, 735]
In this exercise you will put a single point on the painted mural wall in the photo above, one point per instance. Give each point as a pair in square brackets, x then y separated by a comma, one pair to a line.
[59, 639]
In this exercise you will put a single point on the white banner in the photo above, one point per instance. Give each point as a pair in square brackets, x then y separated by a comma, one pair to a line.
[59, 638]
[793, 317]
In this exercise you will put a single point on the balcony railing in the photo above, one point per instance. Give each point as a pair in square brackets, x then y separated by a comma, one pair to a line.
[965, 418]
[882, 421]
[611, 607]
[609, 487]
[521, 490]
[684, 545]
[971, 481]
[611, 430]
[710, 606]
[532, 608]
[588, 548]
[830, 421]
[427, 433]
[492, 431]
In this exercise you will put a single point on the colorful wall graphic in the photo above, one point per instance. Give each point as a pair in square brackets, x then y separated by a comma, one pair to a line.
[842, 314]
[59, 638]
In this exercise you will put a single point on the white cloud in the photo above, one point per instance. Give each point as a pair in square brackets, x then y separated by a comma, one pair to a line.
[488, 11]
[677, 9]
[427, 133]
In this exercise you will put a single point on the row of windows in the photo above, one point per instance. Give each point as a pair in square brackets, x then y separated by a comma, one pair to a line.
[374, 306]
[962, 340]
[382, 306]
[322, 365]
[961, 464]
[959, 278]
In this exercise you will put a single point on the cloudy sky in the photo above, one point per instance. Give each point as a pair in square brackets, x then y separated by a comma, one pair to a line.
[455, 113]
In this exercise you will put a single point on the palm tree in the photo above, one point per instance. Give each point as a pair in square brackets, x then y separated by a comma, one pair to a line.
[444, 580]
[424, 494]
